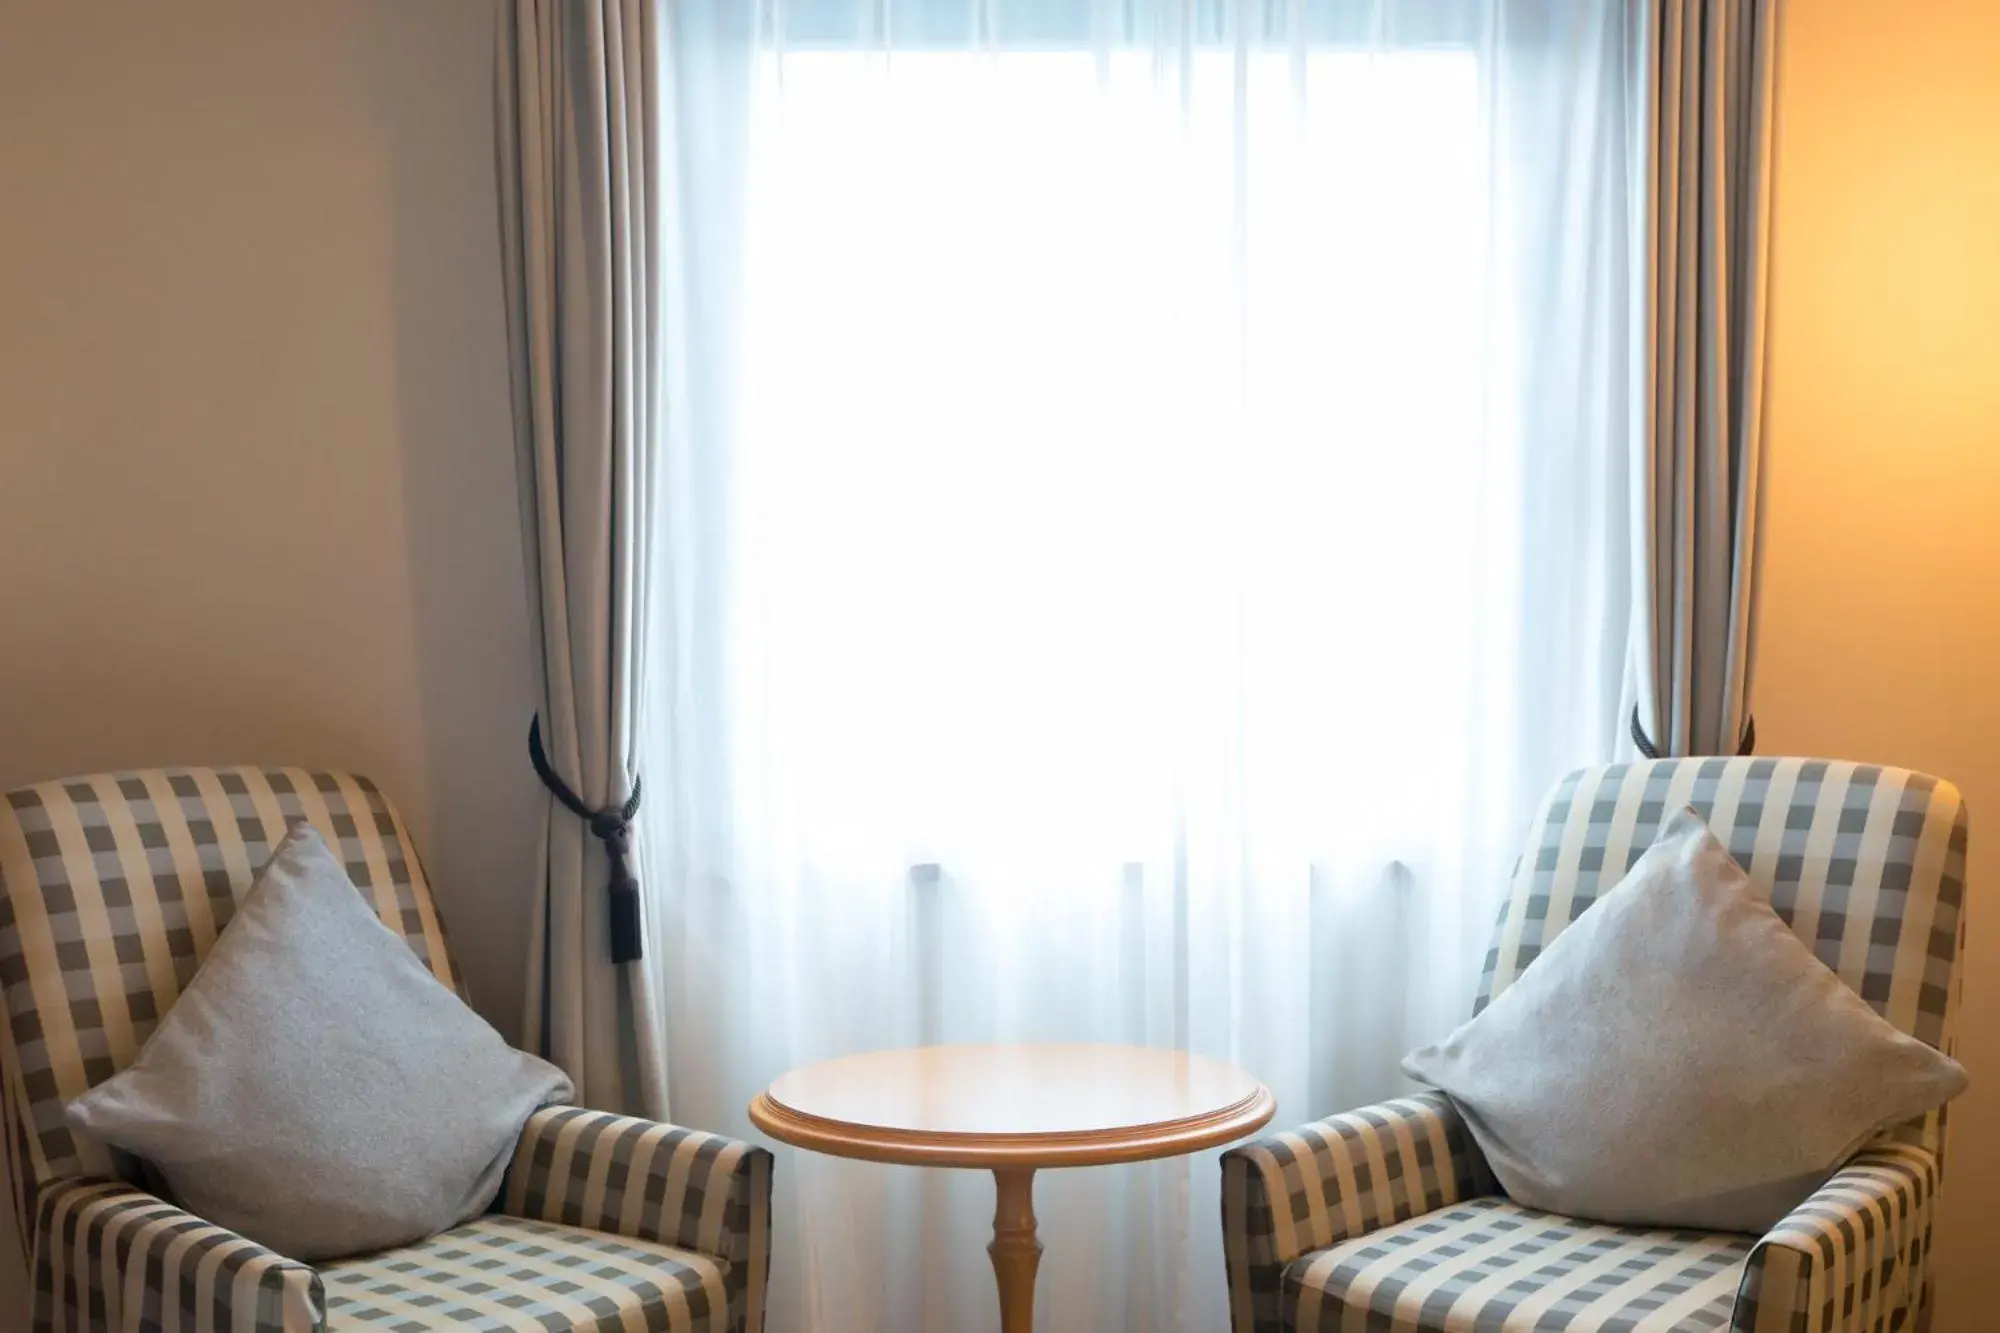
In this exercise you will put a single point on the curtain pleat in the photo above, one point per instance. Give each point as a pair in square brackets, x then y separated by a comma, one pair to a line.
[1711, 69]
[579, 174]
[1148, 512]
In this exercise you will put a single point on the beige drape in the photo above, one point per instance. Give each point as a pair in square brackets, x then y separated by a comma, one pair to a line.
[1712, 68]
[579, 171]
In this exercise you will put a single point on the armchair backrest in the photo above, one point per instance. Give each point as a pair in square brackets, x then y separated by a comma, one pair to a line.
[113, 889]
[1866, 864]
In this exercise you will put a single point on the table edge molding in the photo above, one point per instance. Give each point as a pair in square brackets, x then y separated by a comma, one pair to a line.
[1096, 1147]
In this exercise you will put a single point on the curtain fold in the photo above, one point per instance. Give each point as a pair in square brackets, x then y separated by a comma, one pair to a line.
[1710, 85]
[579, 168]
[1147, 513]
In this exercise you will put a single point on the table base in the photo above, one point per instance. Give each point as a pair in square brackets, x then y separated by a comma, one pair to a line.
[1015, 1250]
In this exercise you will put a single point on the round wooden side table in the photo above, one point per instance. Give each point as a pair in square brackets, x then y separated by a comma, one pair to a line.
[1013, 1110]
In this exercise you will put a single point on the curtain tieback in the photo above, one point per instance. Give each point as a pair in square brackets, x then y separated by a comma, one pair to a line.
[1746, 745]
[613, 827]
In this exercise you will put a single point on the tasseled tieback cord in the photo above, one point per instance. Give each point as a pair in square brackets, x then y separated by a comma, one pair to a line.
[1746, 744]
[613, 827]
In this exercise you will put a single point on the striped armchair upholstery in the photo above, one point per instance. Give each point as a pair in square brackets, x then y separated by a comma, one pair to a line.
[1388, 1219]
[112, 890]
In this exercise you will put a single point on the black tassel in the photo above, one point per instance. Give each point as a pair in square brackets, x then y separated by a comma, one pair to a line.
[625, 946]
[1640, 739]
[613, 827]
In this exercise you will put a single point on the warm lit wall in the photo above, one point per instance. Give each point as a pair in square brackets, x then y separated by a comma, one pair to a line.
[256, 488]
[255, 499]
[1881, 602]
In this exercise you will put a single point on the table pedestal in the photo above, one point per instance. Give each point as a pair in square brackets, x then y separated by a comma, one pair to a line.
[1015, 1250]
[1013, 1110]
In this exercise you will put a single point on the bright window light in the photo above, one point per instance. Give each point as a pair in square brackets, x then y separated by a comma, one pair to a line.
[1116, 440]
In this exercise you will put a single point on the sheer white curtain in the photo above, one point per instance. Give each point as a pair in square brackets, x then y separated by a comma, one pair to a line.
[1145, 509]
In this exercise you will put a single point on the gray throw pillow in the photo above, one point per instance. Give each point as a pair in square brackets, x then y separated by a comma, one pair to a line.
[315, 1088]
[1678, 1057]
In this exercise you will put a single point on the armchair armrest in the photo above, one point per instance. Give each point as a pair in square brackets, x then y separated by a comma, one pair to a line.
[1852, 1255]
[109, 1256]
[650, 1181]
[1333, 1180]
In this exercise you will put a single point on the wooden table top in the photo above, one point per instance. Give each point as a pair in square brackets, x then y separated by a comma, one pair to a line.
[1013, 1106]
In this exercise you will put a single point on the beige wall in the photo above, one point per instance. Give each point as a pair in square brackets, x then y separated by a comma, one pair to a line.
[256, 499]
[1881, 603]
[256, 488]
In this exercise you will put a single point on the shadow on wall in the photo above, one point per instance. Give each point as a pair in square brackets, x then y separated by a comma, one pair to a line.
[259, 502]
[473, 647]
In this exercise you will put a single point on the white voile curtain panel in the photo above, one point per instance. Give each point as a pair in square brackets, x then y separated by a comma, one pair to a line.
[1145, 510]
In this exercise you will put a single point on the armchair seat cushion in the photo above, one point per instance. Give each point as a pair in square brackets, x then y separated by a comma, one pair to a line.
[507, 1273]
[1489, 1265]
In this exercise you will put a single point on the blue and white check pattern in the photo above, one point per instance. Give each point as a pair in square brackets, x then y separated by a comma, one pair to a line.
[1357, 1223]
[512, 1275]
[113, 888]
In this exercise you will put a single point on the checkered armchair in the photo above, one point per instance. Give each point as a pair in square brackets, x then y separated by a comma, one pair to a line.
[1388, 1220]
[112, 890]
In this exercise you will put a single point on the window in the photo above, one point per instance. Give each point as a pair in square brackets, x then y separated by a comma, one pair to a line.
[1104, 434]
[1147, 522]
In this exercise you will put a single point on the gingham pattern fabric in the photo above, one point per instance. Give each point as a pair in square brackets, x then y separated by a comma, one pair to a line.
[1853, 1257]
[524, 1276]
[651, 1182]
[109, 1257]
[1866, 864]
[1491, 1266]
[1348, 1176]
[112, 890]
